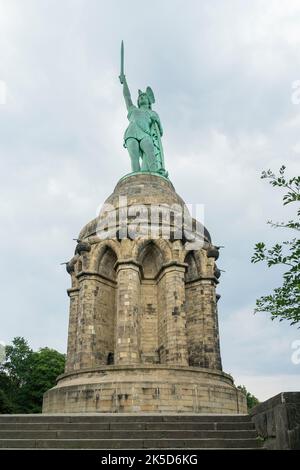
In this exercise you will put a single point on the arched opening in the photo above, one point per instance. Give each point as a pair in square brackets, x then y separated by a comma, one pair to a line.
[191, 273]
[104, 320]
[194, 313]
[151, 260]
[107, 263]
[110, 358]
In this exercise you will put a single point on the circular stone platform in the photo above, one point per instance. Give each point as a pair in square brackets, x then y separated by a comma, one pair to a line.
[145, 388]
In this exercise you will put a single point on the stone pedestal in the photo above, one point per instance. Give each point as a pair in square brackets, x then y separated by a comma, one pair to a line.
[145, 388]
[143, 330]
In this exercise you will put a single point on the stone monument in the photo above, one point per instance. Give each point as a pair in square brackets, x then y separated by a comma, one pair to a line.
[143, 328]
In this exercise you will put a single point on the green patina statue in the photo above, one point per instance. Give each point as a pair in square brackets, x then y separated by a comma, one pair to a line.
[142, 137]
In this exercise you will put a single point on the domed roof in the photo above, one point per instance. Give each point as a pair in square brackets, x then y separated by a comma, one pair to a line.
[147, 189]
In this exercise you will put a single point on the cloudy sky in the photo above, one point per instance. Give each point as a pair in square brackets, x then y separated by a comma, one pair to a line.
[222, 73]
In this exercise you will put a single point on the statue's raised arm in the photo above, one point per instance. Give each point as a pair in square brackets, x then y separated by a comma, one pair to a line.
[126, 92]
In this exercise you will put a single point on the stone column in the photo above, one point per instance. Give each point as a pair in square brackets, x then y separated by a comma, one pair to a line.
[172, 320]
[127, 349]
[88, 354]
[211, 328]
[104, 320]
[202, 324]
[72, 333]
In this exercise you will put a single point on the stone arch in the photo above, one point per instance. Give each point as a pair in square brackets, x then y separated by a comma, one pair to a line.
[151, 259]
[162, 245]
[100, 290]
[192, 271]
[99, 252]
[106, 266]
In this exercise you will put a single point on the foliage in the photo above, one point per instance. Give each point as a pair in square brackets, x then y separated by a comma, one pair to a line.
[17, 361]
[46, 365]
[25, 375]
[284, 302]
[251, 399]
[6, 405]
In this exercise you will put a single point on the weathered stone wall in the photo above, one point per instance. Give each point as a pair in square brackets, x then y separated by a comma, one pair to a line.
[86, 353]
[156, 388]
[172, 316]
[211, 335]
[105, 321]
[138, 302]
[202, 325]
[94, 329]
[149, 322]
[128, 336]
[277, 421]
[72, 334]
[162, 321]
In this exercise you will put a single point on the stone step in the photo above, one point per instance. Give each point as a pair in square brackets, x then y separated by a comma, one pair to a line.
[188, 425]
[127, 431]
[128, 434]
[130, 443]
[113, 418]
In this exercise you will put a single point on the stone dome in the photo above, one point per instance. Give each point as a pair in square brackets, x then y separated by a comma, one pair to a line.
[147, 189]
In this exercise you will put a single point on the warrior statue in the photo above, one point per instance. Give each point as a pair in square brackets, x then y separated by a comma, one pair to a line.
[142, 137]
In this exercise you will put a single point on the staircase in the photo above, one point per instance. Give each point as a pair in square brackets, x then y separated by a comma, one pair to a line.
[127, 431]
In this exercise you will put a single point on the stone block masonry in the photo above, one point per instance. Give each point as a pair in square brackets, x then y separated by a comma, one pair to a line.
[143, 325]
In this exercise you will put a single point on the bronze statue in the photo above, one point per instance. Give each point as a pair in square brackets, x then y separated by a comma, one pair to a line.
[142, 137]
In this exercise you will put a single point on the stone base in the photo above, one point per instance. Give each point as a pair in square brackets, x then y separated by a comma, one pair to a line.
[146, 388]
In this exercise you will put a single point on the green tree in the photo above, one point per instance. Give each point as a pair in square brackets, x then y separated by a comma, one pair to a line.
[6, 405]
[46, 365]
[284, 301]
[25, 375]
[17, 361]
[251, 399]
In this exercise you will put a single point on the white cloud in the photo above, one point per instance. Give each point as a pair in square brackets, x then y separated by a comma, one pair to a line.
[296, 147]
[266, 386]
[254, 344]
[222, 75]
